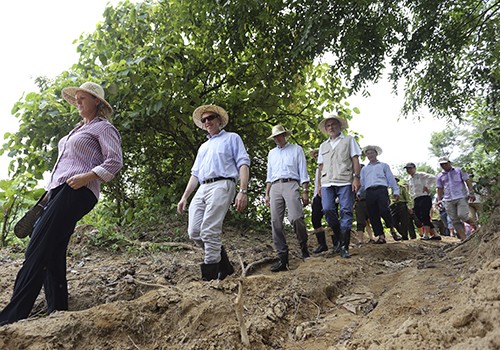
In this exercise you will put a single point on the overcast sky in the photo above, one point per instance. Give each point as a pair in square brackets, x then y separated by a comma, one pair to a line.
[36, 39]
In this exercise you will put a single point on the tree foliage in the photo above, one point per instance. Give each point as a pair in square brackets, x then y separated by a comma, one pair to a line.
[158, 62]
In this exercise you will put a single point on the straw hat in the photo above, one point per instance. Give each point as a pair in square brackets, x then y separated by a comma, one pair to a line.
[278, 130]
[343, 122]
[198, 112]
[373, 147]
[96, 90]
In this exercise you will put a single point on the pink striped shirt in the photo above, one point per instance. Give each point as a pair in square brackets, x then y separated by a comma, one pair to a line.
[96, 147]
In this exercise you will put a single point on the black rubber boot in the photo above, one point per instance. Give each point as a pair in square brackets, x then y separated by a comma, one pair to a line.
[322, 247]
[344, 244]
[344, 253]
[281, 265]
[336, 246]
[305, 250]
[225, 267]
[209, 272]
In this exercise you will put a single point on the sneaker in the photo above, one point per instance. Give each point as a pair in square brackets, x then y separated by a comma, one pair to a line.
[435, 238]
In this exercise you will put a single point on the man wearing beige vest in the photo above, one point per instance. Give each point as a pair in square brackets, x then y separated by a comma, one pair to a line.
[340, 180]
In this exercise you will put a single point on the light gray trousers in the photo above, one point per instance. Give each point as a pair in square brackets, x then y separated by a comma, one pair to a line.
[207, 211]
[286, 196]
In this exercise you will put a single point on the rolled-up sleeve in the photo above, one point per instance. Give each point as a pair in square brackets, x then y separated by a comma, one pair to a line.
[110, 142]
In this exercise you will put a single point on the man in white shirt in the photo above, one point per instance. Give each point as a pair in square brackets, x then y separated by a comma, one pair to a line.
[220, 162]
[420, 189]
[286, 175]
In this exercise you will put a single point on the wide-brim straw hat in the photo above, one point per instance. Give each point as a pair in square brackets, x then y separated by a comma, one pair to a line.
[278, 130]
[198, 112]
[343, 122]
[373, 147]
[69, 94]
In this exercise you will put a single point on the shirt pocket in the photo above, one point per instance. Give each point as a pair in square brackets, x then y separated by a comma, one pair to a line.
[456, 177]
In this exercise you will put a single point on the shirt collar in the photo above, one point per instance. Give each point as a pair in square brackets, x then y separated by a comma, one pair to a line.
[341, 136]
[220, 133]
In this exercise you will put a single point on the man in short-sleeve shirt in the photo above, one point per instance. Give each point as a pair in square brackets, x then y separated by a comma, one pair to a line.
[454, 189]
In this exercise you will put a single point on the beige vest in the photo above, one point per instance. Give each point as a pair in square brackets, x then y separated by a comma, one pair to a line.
[337, 163]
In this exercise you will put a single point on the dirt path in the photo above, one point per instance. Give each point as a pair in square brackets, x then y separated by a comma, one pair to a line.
[409, 295]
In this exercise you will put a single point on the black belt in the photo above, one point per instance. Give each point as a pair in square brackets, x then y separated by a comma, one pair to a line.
[376, 188]
[209, 181]
[284, 180]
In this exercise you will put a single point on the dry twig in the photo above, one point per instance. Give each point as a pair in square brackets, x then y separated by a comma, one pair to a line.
[239, 307]
[245, 270]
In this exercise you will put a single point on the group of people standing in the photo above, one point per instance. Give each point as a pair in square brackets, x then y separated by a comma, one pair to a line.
[223, 160]
[91, 154]
[340, 182]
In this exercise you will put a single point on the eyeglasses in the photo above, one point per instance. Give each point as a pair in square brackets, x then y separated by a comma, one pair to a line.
[208, 117]
[331, 125]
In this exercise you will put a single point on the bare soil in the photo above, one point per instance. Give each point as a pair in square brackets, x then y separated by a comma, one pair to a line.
[401, 295]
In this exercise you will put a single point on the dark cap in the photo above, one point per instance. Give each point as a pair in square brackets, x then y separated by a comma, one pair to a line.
[410, 165]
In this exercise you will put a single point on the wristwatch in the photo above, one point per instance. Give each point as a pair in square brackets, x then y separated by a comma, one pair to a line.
[357, 176]
[244, 191]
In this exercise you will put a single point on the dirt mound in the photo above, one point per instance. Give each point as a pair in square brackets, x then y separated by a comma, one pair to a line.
[402, 295]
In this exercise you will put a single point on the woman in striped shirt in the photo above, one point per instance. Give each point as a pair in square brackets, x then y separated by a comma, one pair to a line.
[89, 155]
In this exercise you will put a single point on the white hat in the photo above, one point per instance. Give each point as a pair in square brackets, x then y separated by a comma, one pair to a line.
[96, 90]
[278, 130]
[198, 112]
[343, 122]
[373, 147]
[444, 160]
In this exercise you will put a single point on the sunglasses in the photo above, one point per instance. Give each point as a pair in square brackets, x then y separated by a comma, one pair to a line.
[208, 117]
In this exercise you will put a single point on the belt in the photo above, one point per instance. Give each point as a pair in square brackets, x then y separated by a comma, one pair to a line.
[376, 188]
[209, 181]
[284, 180]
